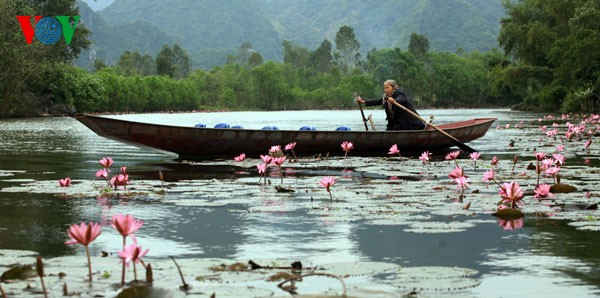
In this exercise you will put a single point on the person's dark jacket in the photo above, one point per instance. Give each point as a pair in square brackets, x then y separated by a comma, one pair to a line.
[397, 118]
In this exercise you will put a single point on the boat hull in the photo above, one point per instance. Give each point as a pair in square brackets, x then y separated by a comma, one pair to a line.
[213, 142]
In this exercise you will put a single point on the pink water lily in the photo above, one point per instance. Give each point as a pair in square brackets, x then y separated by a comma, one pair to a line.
[84, 234]
[106, 162]
[462, 182]
[457, 172]
[424, 158]
[262, 171]
[102, 173]
[240, 157]
[542, 191]
[291, 147]
[327, 182]
[266, 158]
[275, 149]
[132, 253]
[495, 161]
[394, 150]
[452, 155]
[64, 182]
[278, 161]
[474, 157]
[511, 193]
[126, 225]
[347, 146]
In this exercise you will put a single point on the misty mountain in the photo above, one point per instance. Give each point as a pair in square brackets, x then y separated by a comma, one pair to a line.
[211, 30]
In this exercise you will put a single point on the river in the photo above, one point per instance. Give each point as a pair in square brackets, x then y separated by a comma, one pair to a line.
[545, 258]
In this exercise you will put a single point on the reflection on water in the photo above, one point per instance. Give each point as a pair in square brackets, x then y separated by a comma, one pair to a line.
[530, 257]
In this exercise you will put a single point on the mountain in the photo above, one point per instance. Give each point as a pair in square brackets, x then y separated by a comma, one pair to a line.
[210, 30]
[203, 26]
[97, 5]
[448, 24]
[110, 41]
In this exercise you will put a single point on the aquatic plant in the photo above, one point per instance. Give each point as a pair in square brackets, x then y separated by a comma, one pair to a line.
[474, 157]
[132, 253]
[84, 234]
[291, 147]
[394, 150]
[453, 156]
[126, 225]
[278, 161]
[240, 157]
[512, 194]
[262, 171]
[347, 146]
[542, 191]
[64, 182]
[327, 182]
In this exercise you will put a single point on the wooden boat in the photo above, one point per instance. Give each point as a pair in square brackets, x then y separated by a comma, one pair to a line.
[198, 143]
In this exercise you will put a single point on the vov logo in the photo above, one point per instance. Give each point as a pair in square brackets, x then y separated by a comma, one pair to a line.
[48, 29]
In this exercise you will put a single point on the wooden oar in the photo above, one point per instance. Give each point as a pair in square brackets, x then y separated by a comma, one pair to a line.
[455, 141]
[362, 113]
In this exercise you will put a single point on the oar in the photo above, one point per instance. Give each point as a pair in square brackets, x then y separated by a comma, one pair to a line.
[362, 113]
[455, 141]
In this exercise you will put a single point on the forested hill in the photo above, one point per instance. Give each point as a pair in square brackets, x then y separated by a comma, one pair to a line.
[204, 27]
[448, 24]
[211, 30]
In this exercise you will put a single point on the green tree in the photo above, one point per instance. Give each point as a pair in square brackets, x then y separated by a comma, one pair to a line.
[255, 60]
[165, 62]
[295, 54]
[347, 48]
[321, 59]
[418, 46]
[554, 44]
[26, 68]
[182, 61]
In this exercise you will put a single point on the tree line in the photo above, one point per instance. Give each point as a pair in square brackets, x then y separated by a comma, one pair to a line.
[534, 73]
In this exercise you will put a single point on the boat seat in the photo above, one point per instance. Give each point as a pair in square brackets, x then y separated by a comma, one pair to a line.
[222, 125]
[237, 126]
[270, 128]
[343, 128]
[200, 125]
[308, 128]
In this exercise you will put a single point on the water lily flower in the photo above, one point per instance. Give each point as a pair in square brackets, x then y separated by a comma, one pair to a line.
[394, 150]
[462, 182]
[240, 157]
[327, 182]
[452, 155]
[132, 253]
[64, 182]
[474, 157]
[262, 171]
[124, 170]
[489, 175]
[542, 191]
[424, 158]
[126, 225]
[291, 147]
[457, 172]
[540, 155]
[275, 149]
[511, 193]
[84, 234]
[266, 158]
[106, 162]
[347, 146]
[102, 173]
[494, 161]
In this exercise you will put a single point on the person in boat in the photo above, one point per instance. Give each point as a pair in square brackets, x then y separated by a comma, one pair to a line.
[397, 119]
